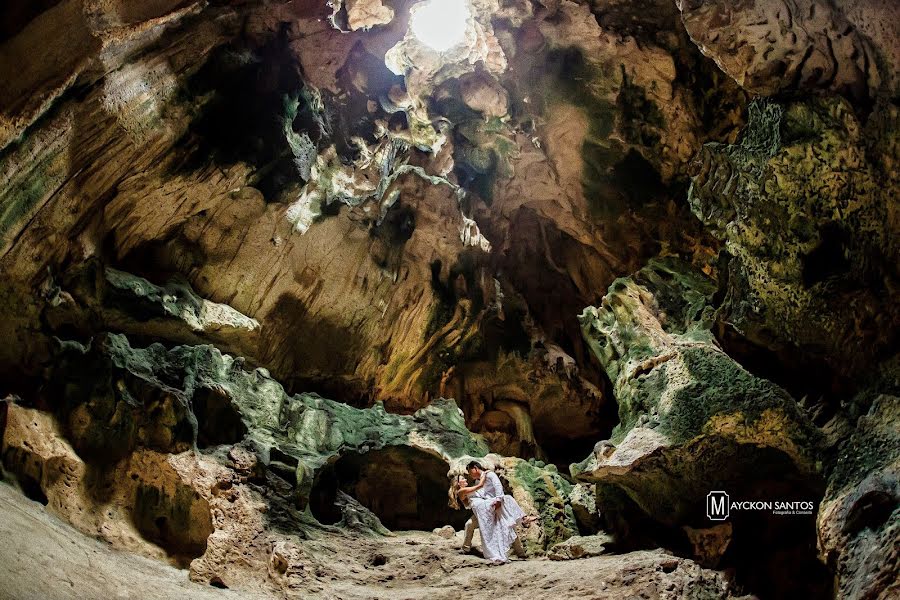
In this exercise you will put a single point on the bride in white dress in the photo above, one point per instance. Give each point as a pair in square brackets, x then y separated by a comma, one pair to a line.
[497, 514]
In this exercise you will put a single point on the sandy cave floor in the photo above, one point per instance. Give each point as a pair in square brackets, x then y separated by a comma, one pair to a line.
[43, 558]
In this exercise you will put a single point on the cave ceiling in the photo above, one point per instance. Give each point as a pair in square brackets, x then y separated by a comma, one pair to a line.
[402, 223]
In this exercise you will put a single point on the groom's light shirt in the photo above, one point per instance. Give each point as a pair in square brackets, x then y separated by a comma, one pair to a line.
[492, 486]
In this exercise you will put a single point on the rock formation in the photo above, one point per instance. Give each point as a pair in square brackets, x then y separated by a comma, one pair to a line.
[692, 420]
[273, 270]
[686, 409]
[122, 410]
[809, 224]
[857, 521]
[768, 47]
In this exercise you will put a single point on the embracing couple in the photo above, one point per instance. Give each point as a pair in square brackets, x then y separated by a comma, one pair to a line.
[495, 514]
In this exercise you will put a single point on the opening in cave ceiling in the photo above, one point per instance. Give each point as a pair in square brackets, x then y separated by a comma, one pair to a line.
[440, 24]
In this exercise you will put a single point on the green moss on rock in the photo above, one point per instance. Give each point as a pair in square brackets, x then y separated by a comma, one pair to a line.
[119, 397]
[550, 493]
[689, 414]
[803, 203]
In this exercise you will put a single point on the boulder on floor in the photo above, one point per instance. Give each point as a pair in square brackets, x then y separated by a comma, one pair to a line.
[581, 547]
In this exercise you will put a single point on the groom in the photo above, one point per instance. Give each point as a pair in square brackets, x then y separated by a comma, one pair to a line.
[492, 489]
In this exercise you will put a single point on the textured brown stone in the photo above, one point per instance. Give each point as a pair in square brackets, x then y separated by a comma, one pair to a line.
[809, 220]
[769, 47]
[691, 418]
[710, 543]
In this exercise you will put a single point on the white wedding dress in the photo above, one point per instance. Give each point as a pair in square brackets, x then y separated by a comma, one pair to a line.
[497, 527]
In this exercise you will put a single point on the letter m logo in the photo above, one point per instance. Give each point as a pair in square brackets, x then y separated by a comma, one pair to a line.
[717, 506]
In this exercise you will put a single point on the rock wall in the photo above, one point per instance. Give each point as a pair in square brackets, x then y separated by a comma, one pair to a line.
[118, 407]
[857, 521]
[115, 398]
[163, 155]
[806, 206]
[769, 47]
[690, 417]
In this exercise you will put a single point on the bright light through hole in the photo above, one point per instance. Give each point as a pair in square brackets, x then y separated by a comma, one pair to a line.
[440, 24]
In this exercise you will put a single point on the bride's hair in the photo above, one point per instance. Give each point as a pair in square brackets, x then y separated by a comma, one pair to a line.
[453, 494]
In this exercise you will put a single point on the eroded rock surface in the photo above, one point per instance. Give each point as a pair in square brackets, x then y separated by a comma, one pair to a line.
[581, 547]
[858, 519]
[692, 421]
[41, 551]
[132, 475]
[769, 47]
[283, 201]
[417, 258]
[115, 398]
[684, 404]
[806, 206]
[96, 298]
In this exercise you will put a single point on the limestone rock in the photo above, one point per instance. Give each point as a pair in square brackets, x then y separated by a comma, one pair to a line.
[634, 101]
[424, 68]
[539, 489]
[118, 123]
[71, 36]
[447, 532]
[171, 102]
[97, 298]
[185, 191]
[531, 416]
[580, 547]
[771, 47]
[363, 14]
[31, 442]
[187, 509]
[40, 550]
[859, 519]
[311, 442]
[172, 399]
[584, 506]
[357, 215]
[879, 22]
[806, 206]
[484, 94]
[147, 506]
[356, 517]
[286, 559]
[709, 543]
[691, 418]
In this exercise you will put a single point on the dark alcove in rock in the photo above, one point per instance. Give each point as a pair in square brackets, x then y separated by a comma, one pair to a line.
[405, 488]
[218, 421]
[177, 520]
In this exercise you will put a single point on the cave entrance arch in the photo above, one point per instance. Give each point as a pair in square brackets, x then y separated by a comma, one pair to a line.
[404, 487]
